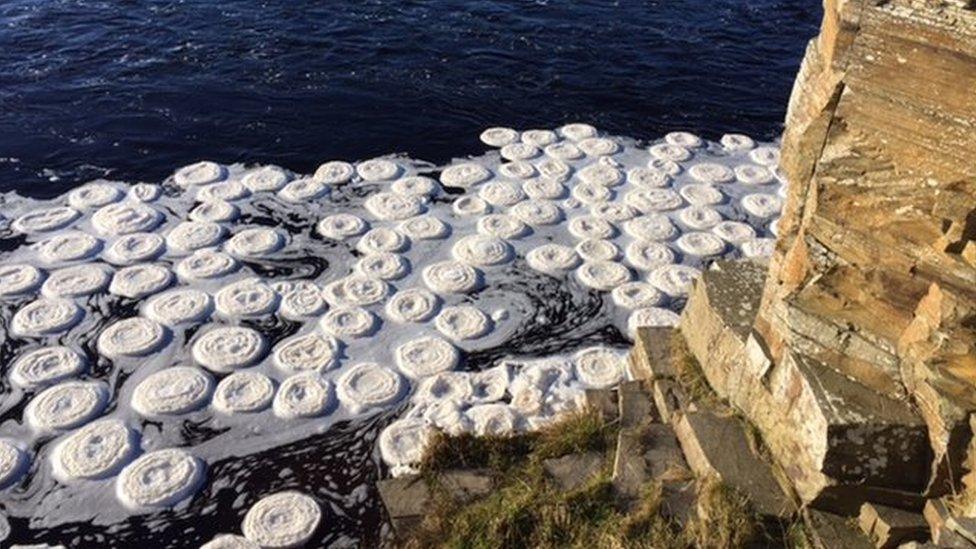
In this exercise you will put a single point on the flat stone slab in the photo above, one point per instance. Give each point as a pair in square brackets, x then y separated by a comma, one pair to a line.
[718, 446]
[651, 357]
[669, 398]
[574, 470]
[604, 401]
[830, 531]
[636, 404]
[408, 499]
[644, 454]
[678, 499]
[890, 527]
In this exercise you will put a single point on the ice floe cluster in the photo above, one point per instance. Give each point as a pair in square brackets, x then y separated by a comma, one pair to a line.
[267, 304]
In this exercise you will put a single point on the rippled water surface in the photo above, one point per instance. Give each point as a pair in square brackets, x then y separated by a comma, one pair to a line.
[130, 89]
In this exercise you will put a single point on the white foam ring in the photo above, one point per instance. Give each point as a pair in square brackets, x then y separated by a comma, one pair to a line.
[750, 174]
[393, 207]
[356, 290]
[145, 192]
[377, 169]
[193, 235]
[13, 462]
[684, 139]
[758, 247]
[285, 519]
[179, 306]
[225, 190]
[670, 152]
[230, 541]
[306, 353]
[303, 395]
[138, 281]
[701, 194]
[368, 385]
[45, 219]
[135, 248]
[552, 258]
[518, 169]
[464, 175]
[544, 188]
[519, 151]
[699, 217]
[499, 137]
[647, 178]
[94, 195]
[403, 442]
[18, 279]
[341, 226]
[348, 322]
[636, 295]
[452, 277]
[79, 280]
[539, 138]
[174, 390]
[200, 173]
[161, 478]
[597, 250]
[470, 205]
[598, 367]
[563, 151]
[613, 212]
[216, 211]
[600, 173]
[426, 356]
[463, 322]
[46, 365]
[603, 275]
[415, 185]
[137, 336]
[673, 280]
[412, 305]
[490, 385]
[335, 172]
[493, 419]
[481, 250]
[501, 193]
[248, 298]
[96, 451]
[243, 393]
[228, 348]
[384, 265]
[765, 155]
[653, 200]
[538, 212]
[255, 242]
[502, 226]
[266, 179]
[577, 131]
[424, 227]
[590, 226]
[66, 405]
[554, 169]
[46, 316]
[710, 172]
[654, 227]
[734, 232]
[763, 206]
[205, 265]
[67, 247]
[651, 317]
[737, 142]
[599, 146]
[303, 190]
[647, 255]
[382, 239]
[302, 301]
[126, 217]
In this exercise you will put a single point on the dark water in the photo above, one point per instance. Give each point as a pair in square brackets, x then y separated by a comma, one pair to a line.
[132, 89]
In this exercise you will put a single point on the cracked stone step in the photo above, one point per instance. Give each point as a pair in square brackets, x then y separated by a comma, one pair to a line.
[636, 404]
[574, 470]
[830, 531]
[651, 357]
[645, 454]
[890, 527]
[408, 499]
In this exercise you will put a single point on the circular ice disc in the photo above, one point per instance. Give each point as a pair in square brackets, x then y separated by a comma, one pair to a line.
[230, 541]
[13, 462]
[453, 387]
[648, 178]
[200, 173]
[501, 193]
[228, 348]
[94, 195]
[334, 172]
[648, 255]
[653, 200]
[46, 316]
[343, 322]
[266, 179]
[452, 277]
[603, 275]
[66, 247]
[552, 258]
[126, 217]
[368, 385]
[673, 280]
[193, 235]
[758, 247]
[554, 169]
[670, 152]
[16, 279]
[138, 281]
[161, 478]
[306, 353]
[96, 451]
[577, 131]
[762, 205]
[592, 193]
[356, 290]
[544, 188]
[174, 390]
[734, 232]
[709, 172]
[415, 185]
[598, 367]
[684, 139]
[136, 336]
[634, 295]
[205, 265]
[540, 138]
[390, 206]
[482, 250]
[66, 405]
[302, 302]
[470, 205]
[216, 211]
[248, 298]
[424, 227]
[46, 365]
[341, 226]
[243, 392]
[285, 519]
[519, 151]
[306, 394]
[45, 219]
[179, 306]
[303, 190]
[412, 305]
[384, 266]
[614, 213]
[462, 322]
[600, 173]
[255, 242]
[519, 169]
[737, 142]
[656, 227]
[76, 281]
[224, 191]
[651, 317]
[499, 137]
[701, 194]
[537, 212]
[135, 248]
[426, 356]
[750, 174]
[492, 419]
[464, 175]
[377, 169]
[403, 442]
[502, 226]
[590, 226]
[597, 250]
[699, 217]
[599, 146]
[145, 192]
[382, 239]
[491, 385]
[766, 156]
